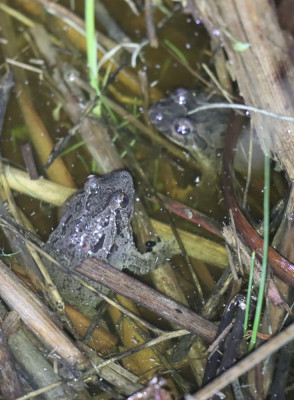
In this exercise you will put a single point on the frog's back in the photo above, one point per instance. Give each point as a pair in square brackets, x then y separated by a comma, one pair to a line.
[96, 220]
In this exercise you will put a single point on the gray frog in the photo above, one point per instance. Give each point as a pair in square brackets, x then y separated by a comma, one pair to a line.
[96, 224]
[202, 133]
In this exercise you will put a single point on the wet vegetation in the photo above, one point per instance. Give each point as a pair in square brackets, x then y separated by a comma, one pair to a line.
[93, 90]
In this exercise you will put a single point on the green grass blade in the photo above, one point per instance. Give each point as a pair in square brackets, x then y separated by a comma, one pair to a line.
[266, 207]
[91, 43]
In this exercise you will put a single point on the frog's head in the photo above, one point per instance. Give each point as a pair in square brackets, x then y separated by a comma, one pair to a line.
[170, 116]
[112, 193]
[201, 133]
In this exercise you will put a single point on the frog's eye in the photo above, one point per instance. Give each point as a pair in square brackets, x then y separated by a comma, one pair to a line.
[124, 200]
[181, 96]
[183, 126]
[158, 117]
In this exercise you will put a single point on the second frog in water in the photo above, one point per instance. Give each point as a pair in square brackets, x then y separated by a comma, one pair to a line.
[202, 133]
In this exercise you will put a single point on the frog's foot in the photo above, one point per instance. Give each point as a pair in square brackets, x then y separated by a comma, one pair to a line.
[143, 263]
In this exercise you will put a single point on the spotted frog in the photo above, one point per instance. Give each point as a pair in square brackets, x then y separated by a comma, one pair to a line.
[96, 224]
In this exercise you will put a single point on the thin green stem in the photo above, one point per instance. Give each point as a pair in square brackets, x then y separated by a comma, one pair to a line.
[91, 43]
[266, 207]
[177, 51]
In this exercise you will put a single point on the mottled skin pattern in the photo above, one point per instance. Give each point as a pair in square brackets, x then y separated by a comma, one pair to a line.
[96, 224]
[96, 221]
[201, 134]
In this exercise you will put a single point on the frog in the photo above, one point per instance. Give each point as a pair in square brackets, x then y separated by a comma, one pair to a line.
[202, 134]
[96, 223]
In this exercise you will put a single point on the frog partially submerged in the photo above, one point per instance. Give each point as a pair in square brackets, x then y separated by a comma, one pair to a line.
[96, 223]
[201, 134]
